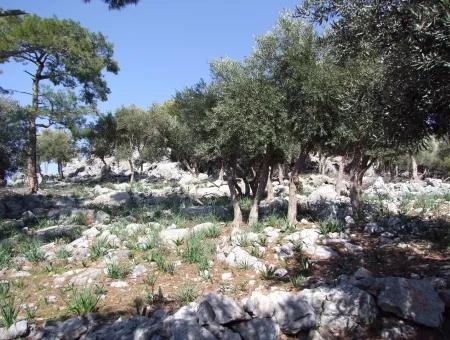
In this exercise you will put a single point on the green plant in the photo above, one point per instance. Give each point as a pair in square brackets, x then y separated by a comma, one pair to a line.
[150, 280]
[30, 313]
[257, 227]
[187, 293]
[305, 263]
[32, 251]
[84, 301]
[246, 203]
[268, 273]
[197, 250]
[81, 218]
[330, 226]
[242, 240]
[274, 220]
[116, 270]
[99, 248]
[297, 246]
[256, 252]
[160, 258]
[245, 265]
[262, 240]
[178, 242]
[6, 249]
[212, 232]
[288, 228]
[63, 253]
[8, 311]
[297, 280]
[5, 288]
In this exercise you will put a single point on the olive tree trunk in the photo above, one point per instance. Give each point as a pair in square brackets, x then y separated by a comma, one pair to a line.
[340, 175]
[237, 213]
[262, 175]
[130, 161]
[414, 171]
[270, 193]
[360, 164]
[280, 173]
[293, 184]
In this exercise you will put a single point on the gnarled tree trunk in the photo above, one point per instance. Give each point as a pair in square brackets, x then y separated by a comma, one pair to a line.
[130, 161]
[280, 173]
[270, 193]
[360, 164]
[340, 175]
[237, 213]
[262, 175]
[293, 184]
[414, 171]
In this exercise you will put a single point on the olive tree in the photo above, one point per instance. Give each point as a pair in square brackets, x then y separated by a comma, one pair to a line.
[12, 137]
[56, 146]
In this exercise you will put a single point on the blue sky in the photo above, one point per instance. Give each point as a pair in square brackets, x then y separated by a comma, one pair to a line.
[161, 45]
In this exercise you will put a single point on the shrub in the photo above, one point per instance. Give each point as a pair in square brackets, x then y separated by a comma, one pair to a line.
[8, 311]
[257, 227]
[63, 253]
[84, 301]
[116, 270]
[187, 293]
[212, 232]
[197, 250]
[268, 273]
[256, 252]
[99, 248]
[6, 249]
[32, 252]
[331, 226]
[297, 280]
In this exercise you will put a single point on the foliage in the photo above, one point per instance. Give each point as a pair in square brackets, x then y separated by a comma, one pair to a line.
[8, 311]
[102, 136]
[268, 273]
[32, 251]
[187, 293]
[331, 226]
[99, 248]
[116, 270]
[84, 301]
[12, 137]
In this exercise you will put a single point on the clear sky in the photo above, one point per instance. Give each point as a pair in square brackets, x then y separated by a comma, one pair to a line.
[161, 45]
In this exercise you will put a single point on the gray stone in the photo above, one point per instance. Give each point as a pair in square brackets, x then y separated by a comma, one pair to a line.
[223, 333]
[87, 277]
[102, 217]
[341, 309]
[112, 199]
[169, 236]
[17, 330]
[414, 300]
[73, 328]
[373, 228]
[202, 227]
[239, 257]
[219, 309]
[259, 305]
[292, 312]
[262, 329]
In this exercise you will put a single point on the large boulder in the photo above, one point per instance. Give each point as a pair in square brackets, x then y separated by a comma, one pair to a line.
[219, 309]
[262, 329]
[342, 309]
[290, 311]
[113, 199]
[165, 170]
[414, 300]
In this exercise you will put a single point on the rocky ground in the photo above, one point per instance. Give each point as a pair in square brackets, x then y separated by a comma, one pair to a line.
[93, 258]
